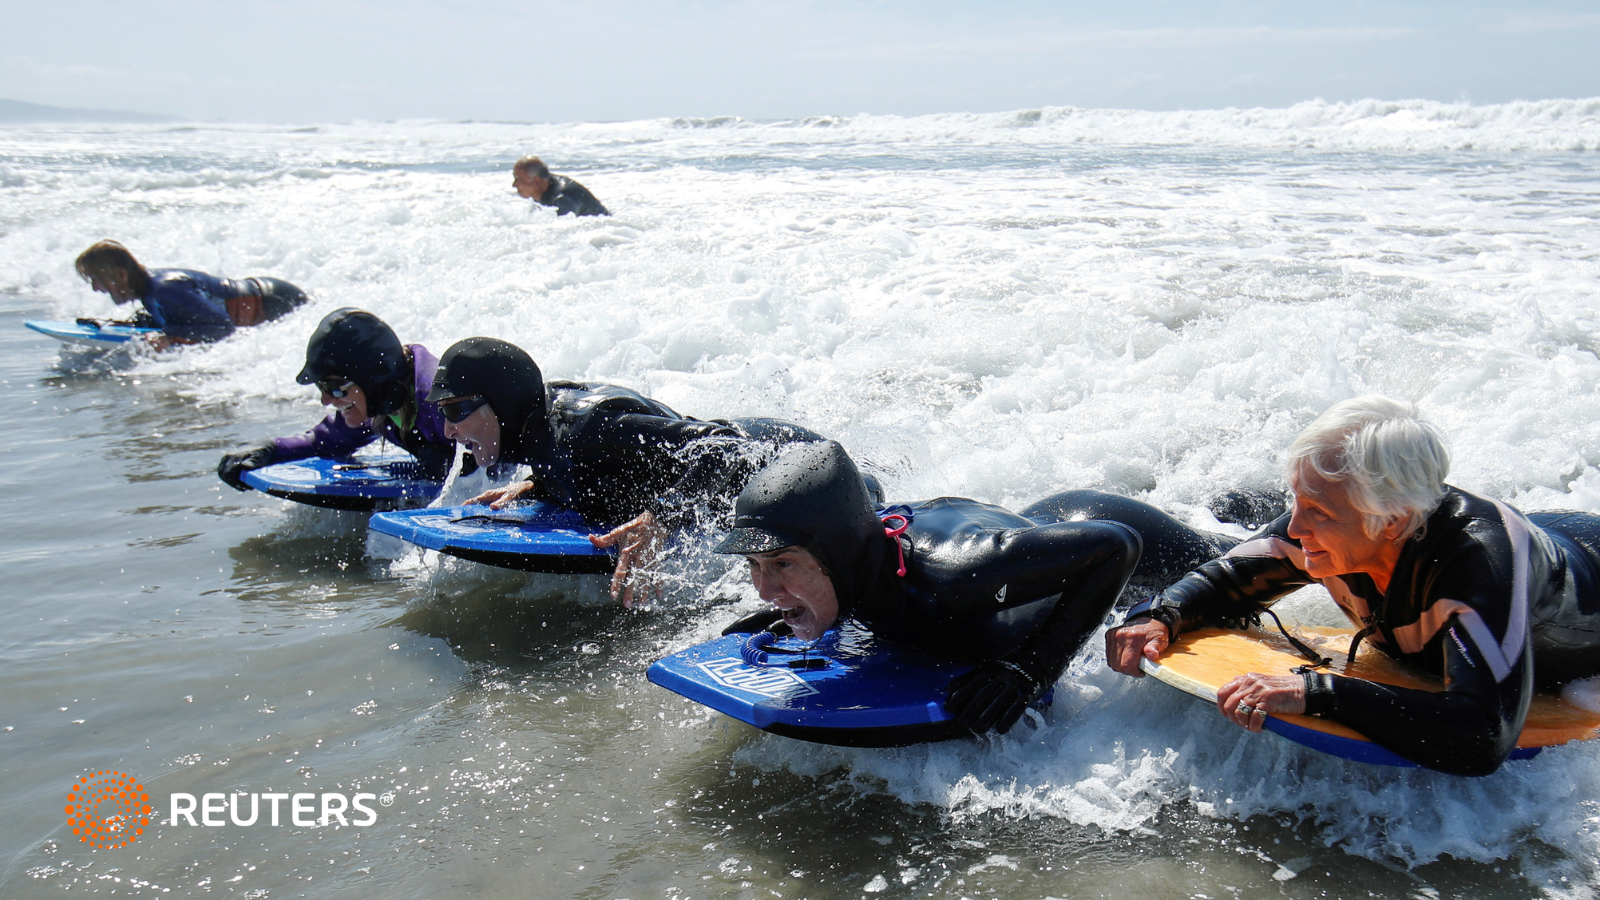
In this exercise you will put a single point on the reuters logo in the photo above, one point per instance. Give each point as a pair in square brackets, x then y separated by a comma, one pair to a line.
[108, 809]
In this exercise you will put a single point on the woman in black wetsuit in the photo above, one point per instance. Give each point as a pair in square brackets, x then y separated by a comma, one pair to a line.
[618, 458]
[1020, 592]
[1465, 588]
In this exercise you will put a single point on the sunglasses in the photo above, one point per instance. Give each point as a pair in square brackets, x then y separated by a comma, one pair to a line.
[337, 388]
[457, 409]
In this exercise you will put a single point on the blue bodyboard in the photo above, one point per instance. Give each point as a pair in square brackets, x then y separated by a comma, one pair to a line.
[529, 537]
[358, 483]
[105, 337]
[846, 688]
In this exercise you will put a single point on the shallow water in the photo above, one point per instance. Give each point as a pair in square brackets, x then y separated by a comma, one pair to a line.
[987, 306]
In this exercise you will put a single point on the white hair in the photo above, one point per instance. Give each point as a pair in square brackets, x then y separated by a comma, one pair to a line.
[1391, 462]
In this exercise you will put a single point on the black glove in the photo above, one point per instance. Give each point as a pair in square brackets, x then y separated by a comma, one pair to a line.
[992, 696]
[761, 621]
[235, 464]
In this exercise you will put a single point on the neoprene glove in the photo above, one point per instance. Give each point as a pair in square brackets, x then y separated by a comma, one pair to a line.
[235, 464]
[994, 695]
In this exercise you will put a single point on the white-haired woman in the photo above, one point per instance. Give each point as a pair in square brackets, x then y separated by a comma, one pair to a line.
[1488, 599]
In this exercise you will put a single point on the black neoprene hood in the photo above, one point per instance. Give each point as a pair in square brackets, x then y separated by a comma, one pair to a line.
[508, 378]
[813, 497]
[355, 344]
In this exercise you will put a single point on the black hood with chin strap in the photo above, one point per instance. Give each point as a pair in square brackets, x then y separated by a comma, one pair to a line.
[813, 497]
[508, 378]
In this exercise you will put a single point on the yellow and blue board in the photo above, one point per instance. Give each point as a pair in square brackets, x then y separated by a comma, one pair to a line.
[529, 537]
[1199, 662]
[104, 337]
[362, 483]
[844, 688]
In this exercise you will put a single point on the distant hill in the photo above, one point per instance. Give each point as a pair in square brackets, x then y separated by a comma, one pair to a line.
[15, 111]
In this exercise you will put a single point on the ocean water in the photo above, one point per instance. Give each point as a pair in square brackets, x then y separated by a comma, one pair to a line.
[993, 306]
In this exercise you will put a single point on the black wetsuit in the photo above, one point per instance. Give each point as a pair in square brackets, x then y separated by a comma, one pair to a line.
[983, 582]
[1021, 593]
[1488, 599]
[605, 451]
[980, 579]
[568, 196]
[1171, 548]
[613, 454]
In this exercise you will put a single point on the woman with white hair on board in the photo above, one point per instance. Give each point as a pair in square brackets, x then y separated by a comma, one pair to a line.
[1492, 601]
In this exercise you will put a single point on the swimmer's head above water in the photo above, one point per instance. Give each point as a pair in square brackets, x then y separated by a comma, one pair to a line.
[806, 526]
[358, 364]
[111, 269]
[1366, 476]
[492, 395]
[531, 177]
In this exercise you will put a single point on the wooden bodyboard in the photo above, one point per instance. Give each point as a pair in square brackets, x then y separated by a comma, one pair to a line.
[1200, 662]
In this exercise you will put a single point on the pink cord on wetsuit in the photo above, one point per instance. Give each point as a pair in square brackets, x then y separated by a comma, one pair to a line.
[893, 534]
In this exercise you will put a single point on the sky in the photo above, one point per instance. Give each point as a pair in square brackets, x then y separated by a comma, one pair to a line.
[307, 61]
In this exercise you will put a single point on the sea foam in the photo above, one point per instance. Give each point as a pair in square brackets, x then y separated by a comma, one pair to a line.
[996, 306]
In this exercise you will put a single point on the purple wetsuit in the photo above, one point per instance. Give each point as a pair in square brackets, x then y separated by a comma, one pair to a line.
[417, 428]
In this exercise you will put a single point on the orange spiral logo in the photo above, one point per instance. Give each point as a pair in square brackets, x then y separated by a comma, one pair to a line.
[108, 809]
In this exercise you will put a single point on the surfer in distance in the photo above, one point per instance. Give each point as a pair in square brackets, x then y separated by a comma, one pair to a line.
[1018, 592]
[612, 455]
[189, 307]
[534, 180]
[1493, 602]
[375, 388]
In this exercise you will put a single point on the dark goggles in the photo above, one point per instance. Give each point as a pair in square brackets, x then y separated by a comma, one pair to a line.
[337, 388]
[456, 409]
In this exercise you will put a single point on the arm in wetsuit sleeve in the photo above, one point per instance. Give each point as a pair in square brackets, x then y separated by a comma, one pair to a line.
[719, 462]
[1087, 563]
[1249, 578]
[1467, 729]
[1231, 589]
[575, 199]
[329, 438]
